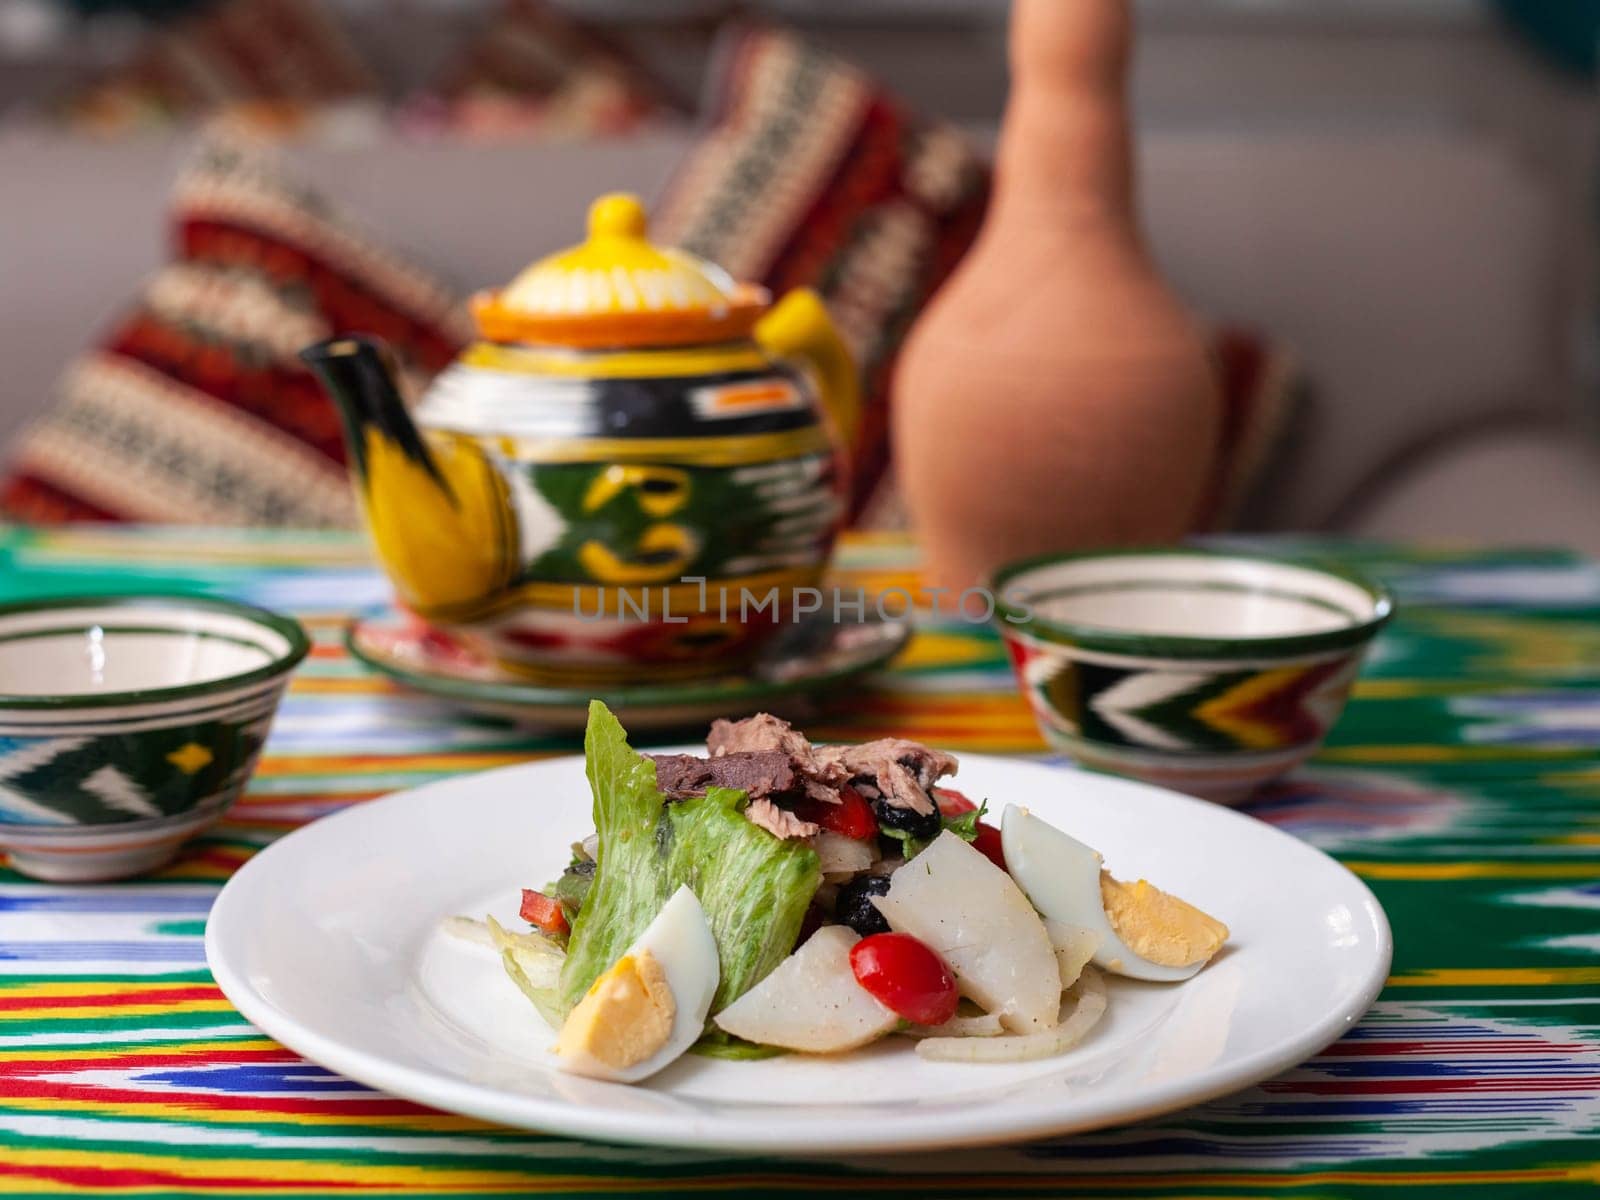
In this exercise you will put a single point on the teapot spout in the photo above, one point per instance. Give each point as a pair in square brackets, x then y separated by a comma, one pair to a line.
[355, 373]
[439, 514]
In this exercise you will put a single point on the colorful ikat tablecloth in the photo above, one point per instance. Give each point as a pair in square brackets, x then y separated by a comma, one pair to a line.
[1463, 785]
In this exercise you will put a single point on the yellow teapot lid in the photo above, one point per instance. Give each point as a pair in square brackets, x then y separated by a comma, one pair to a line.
[620, 289]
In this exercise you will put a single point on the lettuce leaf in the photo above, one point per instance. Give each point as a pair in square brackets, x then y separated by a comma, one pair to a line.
[717, 1044]
[965, 826]
[629, 885]
[572, 888]
[755, 888]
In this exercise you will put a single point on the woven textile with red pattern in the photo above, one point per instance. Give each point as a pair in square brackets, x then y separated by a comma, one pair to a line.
[287, 53]
[194, 406]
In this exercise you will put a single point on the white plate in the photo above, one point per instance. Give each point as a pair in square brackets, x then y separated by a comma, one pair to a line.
[330, 941]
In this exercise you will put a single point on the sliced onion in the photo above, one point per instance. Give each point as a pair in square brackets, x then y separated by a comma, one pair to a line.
[1088, 998]
[1074, 947]
[468, 930]
[980, 1026]
[536, 956]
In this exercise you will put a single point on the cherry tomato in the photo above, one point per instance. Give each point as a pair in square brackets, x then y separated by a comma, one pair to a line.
[987, 843]
[906, 977]
[852, 816]
[951, 802]
[543, 913]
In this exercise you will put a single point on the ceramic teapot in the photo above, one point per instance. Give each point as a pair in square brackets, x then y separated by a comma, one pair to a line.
[616, 480]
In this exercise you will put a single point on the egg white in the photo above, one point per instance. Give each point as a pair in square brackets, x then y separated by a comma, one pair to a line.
[1061, 876]
[680, 939]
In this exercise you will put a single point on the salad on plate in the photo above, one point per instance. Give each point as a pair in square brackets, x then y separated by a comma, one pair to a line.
[773, 896]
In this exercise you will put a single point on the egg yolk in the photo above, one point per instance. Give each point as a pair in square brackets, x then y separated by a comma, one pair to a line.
[624, 1018]
[1158, 926]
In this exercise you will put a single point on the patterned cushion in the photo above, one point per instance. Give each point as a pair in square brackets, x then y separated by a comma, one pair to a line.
[535, 69]
[269, 54]
[1264, 395]
[813, 175]
[194, 407]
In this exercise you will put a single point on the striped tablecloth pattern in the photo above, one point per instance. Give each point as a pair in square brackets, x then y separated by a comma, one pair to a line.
[1463, 785]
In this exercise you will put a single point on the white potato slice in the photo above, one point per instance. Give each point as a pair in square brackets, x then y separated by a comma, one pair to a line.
[811, 1001]
[1084, 1005]
[970, 912]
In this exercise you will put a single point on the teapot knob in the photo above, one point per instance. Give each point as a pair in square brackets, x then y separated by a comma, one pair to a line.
[618, 214]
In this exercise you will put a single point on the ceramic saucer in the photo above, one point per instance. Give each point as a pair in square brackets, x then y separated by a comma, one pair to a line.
[805, 661]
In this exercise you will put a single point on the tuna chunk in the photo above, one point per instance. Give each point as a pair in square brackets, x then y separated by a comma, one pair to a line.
[779, 822]
[765, 733]
[753, 734]
[901, 772]
[756, 775]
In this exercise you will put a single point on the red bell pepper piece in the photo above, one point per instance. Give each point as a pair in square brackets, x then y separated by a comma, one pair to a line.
[543, 913]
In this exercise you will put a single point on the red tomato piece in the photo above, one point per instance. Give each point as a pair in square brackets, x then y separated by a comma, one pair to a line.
[852, 816]
[906, 977]
[543, 913]
[951, 802]
[987, 843]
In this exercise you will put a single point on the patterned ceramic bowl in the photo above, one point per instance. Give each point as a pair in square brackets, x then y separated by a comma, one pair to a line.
[1208, 672]
[130, 723]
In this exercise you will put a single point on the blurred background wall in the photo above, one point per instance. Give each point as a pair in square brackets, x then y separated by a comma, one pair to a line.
[1402, 191]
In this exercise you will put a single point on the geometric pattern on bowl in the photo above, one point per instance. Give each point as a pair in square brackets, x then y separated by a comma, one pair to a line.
[129, 723]
[1208, 672]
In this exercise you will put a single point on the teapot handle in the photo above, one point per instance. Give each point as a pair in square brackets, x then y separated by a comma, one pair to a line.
[799, 327]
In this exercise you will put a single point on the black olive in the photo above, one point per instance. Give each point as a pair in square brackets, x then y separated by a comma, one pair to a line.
[853, 906]
[922, 826]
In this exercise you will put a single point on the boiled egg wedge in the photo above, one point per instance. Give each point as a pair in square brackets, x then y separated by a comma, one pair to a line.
[1143, 932]
[650, 1005]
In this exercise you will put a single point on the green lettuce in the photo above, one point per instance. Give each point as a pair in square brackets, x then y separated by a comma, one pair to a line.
[717, 1044]
[965, 826]
[572, 888]
[755, 888]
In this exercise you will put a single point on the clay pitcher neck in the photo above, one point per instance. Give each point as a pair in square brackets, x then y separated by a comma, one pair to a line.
[1064, 155]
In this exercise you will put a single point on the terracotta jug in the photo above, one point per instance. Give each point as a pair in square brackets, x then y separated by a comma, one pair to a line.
[1055, 394]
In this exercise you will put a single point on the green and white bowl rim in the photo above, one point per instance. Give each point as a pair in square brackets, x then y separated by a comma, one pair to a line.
[299, 645]
[1184, 646]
